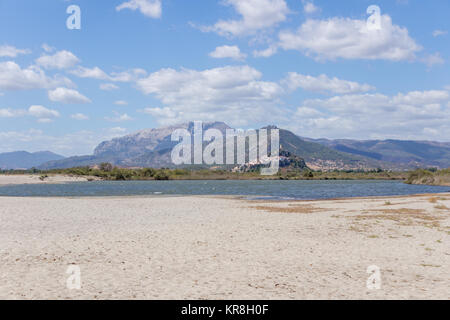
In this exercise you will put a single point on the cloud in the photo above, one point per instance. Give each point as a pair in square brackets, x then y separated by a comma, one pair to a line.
[309, 7]
[93, 73]
[350, 39]
[232, 52]
[233, 93]
[74, 143]
[10, 113]
[47, 48]
[13, 77]
[119, 117]
[270, 51]
[79, 116]
[121, 103]
[324, 84]
[41, 113]
[433, 59]
[108, 86]
[12, 52]
[65, 95]
[437, 33]
[149, 8]
[408, 115]
[256, 15]
[60, 60]
[99, 74]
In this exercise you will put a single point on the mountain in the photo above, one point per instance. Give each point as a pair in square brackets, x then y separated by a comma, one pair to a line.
[153, 147]
[407, 153]
[318, 156]
[145, 148]
[26, 160]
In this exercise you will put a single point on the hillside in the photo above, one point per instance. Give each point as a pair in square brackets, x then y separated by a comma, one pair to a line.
[26, 160]
[409, 153]
[153, 147]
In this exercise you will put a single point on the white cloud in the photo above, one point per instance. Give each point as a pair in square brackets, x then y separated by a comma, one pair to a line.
[65, 95]
[99, 74]
[79, 116]
[256, 15]
[232, 52]
[309, 7]
[121, 103]
[350, 39]
[42, 112]
[149, 8]
[270, 51]
[13, 77]
[433, 59]
[10, 113]
[119, 117]
[233, 93]
[437, 33]
[47, 48]
[75, 143]
[375, 116]
[60, 60]
[108, 86]
[12, 52]
[93, 73]
[128, 76]
[324, 84]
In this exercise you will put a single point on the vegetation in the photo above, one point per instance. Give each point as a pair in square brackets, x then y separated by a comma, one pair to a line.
[429, 177]
[106, 171]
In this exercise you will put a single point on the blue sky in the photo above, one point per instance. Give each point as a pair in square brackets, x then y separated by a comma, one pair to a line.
[314, 67]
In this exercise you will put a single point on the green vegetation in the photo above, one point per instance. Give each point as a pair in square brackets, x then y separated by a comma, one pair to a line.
[106, 171]
[429, 177]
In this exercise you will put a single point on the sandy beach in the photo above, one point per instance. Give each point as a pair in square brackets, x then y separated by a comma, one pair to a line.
[39, 179]
[225, 248]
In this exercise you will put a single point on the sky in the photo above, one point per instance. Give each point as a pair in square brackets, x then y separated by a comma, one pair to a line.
[352, 69]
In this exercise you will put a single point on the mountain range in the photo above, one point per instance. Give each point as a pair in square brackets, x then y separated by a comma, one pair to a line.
[153, 147]
[26, 160]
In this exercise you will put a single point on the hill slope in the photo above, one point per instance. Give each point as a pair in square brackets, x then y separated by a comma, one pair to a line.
[153, 147]
[26, 160]
[409, 153]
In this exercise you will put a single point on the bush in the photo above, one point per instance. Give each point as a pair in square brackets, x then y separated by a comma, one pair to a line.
[161, 175]
[106, 167]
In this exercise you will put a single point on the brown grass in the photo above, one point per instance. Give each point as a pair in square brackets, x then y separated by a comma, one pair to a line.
[433, 199]
[403, 216]
[306, 209]
[442, 207]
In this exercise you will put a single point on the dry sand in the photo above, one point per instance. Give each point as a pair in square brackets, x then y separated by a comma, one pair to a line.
[36, 179]
[219, 248]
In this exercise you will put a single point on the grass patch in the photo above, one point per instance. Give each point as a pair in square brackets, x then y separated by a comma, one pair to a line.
[306, 209]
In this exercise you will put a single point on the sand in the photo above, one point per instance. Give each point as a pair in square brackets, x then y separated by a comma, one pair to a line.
[224, 248]
[38, 179]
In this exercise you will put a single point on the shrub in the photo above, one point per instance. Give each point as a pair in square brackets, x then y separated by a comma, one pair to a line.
[161, 175]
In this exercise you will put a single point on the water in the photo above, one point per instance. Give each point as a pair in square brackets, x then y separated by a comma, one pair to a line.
[277, 189]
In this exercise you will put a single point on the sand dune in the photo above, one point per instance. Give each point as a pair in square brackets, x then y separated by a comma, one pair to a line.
[221, 248]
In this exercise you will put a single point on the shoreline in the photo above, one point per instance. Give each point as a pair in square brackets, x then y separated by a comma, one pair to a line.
[225, 248]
